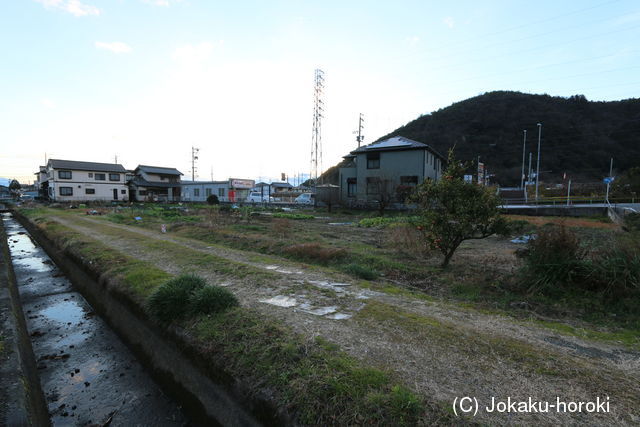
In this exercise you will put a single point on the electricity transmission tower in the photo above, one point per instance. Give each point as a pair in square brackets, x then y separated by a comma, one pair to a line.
[316, 136]
[360, 136]
[194, 157]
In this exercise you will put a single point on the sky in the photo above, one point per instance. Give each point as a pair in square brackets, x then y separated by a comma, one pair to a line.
[144, 81]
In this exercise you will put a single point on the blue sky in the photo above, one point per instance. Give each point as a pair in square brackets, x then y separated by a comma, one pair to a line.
[146, 80]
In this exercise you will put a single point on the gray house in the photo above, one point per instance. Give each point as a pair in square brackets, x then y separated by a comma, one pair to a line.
[385, 171]
[155, 184]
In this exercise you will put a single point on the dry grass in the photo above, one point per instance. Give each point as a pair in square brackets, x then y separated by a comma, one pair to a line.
[566, 221]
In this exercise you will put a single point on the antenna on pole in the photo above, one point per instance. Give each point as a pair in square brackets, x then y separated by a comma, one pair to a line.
[316, 135]
[194, 157]
[360, 136]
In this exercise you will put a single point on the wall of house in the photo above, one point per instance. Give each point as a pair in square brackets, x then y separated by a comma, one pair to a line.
[156, 177]
[393, 165]
[85, 187]
[220, 189]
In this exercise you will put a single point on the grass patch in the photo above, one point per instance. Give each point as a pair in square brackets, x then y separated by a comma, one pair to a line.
[360, 271]
[318, 382]
[292, 216]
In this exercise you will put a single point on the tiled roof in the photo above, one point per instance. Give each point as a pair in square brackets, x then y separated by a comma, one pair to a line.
[159, 170]
[86, 166]
[395, 143]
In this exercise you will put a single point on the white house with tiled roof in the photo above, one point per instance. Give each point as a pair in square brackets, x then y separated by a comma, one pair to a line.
[75, 181]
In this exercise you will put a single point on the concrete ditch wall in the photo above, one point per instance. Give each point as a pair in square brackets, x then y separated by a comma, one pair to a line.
[21, 396]
[208, 394]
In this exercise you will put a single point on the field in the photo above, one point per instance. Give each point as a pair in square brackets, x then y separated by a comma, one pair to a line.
[369, 287]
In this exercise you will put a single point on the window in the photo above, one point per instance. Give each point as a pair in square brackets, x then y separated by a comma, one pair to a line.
[220, 192]
[64, 174]
[90, 174]
[373, 160]
[207, 192]
[409, 180]
[352, 187]
[66, 191]
[89, 191]
[123, 191]
[114, 177]
[142, 192]
[100, 177]
[373, 185]
[196, 192]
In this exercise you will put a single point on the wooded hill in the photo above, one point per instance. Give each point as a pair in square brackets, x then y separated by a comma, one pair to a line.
[578, 136]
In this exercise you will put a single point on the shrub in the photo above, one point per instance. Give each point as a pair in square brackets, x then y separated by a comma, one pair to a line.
[632, 222]
[553, 259]
[407, 240]
[615, 270]
[211, 300]
[213, 200]
[314, 252]
[170, 301]
[361, 271]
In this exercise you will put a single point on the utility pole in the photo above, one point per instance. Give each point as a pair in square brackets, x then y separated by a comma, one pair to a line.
[194, 157]
[569, 192]
[526, 183]
[538, 162]
[360, 136]
[524, 143]
[316, 134]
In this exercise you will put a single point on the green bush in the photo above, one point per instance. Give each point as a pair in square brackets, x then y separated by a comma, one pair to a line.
[211, 299]
[383, 221]
[171, 300]
[361, 272]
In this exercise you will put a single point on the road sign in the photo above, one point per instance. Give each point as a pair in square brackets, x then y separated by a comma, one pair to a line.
[609, 179]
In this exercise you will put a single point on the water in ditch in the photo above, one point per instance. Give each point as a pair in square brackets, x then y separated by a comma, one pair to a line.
[88, 375]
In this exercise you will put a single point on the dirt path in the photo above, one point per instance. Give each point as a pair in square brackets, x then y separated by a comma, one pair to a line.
[440, 350]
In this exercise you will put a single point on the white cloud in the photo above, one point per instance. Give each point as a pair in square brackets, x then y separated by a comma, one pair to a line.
[74, 7]
[163, 3]
[47, 103]
[449, 22]
[115, 47]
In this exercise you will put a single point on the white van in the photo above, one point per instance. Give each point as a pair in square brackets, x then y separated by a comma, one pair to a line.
[306, 199]
[257, 197]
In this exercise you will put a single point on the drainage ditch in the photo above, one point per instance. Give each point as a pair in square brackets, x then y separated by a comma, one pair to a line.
[88, 375]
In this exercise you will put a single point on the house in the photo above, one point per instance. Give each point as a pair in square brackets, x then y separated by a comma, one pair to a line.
[155, 184]
[232, 190]
[385, 171]
[70, 180]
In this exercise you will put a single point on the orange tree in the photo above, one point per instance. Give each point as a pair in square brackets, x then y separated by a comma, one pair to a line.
[451, 210]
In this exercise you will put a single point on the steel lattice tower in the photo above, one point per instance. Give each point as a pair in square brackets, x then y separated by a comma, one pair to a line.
[316, 137]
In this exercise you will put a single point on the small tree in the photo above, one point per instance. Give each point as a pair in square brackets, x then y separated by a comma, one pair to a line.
[14, 186]
[451, 210]
[382, 190]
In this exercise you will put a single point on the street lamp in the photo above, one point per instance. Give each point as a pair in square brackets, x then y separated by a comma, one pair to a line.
[538, 162]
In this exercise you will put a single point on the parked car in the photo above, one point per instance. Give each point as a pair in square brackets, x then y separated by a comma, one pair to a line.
[257, 197]
[306, 199]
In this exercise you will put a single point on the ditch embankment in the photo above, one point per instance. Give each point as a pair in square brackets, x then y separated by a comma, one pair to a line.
[88, 375]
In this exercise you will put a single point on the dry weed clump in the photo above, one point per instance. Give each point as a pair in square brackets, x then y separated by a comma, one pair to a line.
[314, 252]
[282, 227]
[407, 240]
